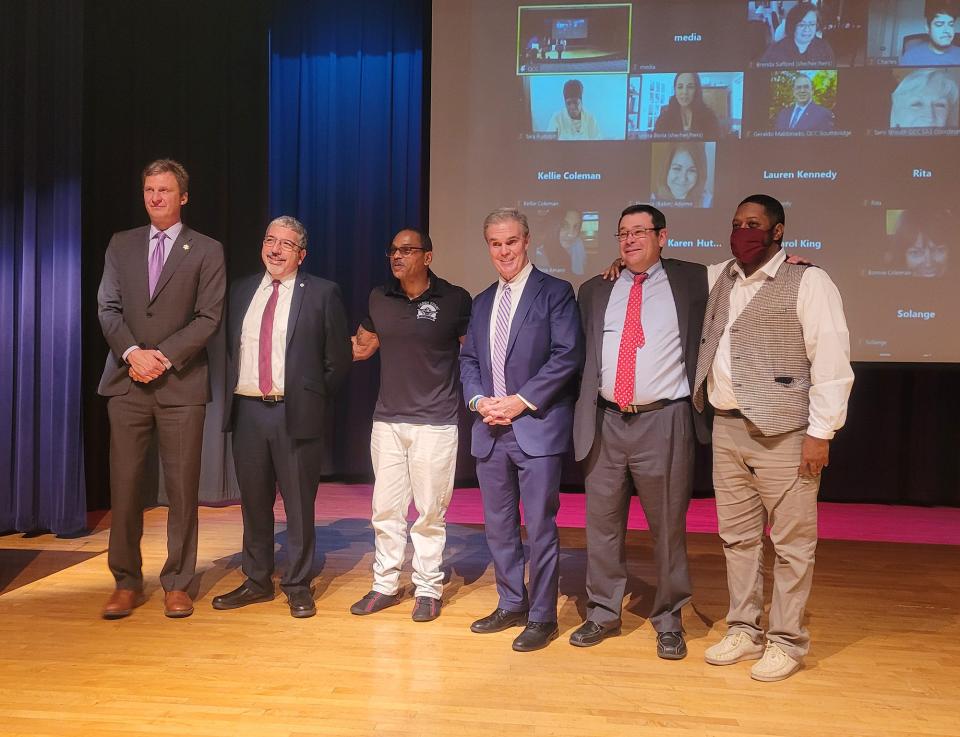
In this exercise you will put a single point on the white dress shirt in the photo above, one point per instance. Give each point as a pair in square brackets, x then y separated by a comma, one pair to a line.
[825, 337]
[248, 382]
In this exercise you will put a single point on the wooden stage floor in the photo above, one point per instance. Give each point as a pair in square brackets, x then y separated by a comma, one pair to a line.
[884, 620]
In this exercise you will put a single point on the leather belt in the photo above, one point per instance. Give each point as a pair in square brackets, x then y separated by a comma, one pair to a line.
[729, 413]
[633, 409]
[266, 399]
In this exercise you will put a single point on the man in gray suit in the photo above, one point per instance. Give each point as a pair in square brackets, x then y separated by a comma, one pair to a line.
[288, 352]
[160, 300]
[634, 425]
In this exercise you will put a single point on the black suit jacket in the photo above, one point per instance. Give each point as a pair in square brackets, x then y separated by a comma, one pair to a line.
[318, 352]
[178, 320]
[688, 282]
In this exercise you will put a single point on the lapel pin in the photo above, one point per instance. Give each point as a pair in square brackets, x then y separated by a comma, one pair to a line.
[186, 246]
[301, 284]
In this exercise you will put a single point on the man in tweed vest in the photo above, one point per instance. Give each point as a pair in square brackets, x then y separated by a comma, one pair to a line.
[775, 365]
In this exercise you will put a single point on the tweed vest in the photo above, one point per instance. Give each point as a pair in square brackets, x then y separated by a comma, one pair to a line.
[768, 361]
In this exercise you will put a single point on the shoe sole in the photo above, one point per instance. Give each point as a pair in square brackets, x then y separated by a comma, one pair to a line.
[178, 615]
[740, 659]
[603, 636]
[228, 607]
[499, 629]
[303, 614]
[554, 636]
[671, 656]
[774, 679]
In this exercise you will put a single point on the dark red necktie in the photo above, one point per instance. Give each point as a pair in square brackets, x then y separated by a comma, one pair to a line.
[266, 340]
[631, 340]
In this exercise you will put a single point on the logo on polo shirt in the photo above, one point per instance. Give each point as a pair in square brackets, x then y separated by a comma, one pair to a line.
[427, 311]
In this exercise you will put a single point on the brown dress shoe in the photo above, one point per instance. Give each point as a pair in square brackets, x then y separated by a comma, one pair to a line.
[177, 604]
[121, 603]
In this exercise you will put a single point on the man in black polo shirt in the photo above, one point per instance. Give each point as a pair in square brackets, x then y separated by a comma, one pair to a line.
[418, 322]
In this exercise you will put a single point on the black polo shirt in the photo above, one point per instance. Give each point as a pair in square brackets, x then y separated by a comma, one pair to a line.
[419, 351]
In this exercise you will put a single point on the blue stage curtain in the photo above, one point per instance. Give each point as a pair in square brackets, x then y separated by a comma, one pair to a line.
[41, 442]
[346, 154]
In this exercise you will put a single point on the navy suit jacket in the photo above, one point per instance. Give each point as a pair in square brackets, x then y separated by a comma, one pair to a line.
[814, 118]
[544, 357]
[318, 353]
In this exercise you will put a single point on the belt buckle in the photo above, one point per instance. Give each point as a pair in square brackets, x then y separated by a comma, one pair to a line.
[270, 398]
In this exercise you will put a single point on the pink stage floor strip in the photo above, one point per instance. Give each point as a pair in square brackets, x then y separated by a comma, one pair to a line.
[862, 522]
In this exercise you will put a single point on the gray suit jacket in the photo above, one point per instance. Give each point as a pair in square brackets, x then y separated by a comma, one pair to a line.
[688, 282]
[178, 320]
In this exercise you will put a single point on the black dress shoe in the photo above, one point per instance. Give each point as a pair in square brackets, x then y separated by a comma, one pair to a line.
[590, 633]
[301, 603]
[536, 635]
[670, 646]
[498, 621]
[240, 596]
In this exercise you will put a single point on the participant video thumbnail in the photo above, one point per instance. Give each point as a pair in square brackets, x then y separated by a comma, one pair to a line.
[565, 108]
[806, 34]
[563, 237]
[919, 242]
[682, 174]
[923, 102]
[802, 102]
[685, 105]
[914, 33]
[564, 39]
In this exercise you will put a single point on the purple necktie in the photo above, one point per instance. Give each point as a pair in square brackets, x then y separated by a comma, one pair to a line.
[156, 262]
[266, 340]
[500, 336]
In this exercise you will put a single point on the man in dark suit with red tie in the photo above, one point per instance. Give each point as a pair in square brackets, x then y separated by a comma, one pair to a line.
[160, 300]
[288, 352]
[518, 367]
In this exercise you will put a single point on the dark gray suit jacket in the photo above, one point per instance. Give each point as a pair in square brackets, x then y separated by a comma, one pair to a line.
[182, 315]
[318, 353]
[688, 282]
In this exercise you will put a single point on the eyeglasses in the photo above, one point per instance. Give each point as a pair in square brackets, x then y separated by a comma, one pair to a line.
[636, 233]
[402, 250]
[288, 246]
[807, 26]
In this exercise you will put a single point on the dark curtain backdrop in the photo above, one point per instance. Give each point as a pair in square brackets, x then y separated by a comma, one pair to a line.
[186, 81]
[41, 458]
[348, 156]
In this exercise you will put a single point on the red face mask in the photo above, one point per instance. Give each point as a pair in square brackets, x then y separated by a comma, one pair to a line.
[749, 244]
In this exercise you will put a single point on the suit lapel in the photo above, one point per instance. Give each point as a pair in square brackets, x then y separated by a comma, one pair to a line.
[484, 309]
[530, 292]
[679, 290]
[296, 301]
[138, 262]
[179, 251]
[598, 313]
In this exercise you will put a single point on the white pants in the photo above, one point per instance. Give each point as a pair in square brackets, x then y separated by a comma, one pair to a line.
[411, 462]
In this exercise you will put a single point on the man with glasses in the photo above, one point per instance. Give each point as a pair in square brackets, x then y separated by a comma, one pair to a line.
[634, 426]
[417, 321]
[288, 352]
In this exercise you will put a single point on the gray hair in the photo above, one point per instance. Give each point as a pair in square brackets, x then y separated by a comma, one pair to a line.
[937, 81]
[289, 221]
[506, 214]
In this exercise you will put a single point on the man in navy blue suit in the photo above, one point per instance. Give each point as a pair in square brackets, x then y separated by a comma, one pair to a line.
[519, 364]
[804, 114]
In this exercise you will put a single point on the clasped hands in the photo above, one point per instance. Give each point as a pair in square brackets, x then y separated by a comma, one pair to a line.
[500, 410]
[146, 364]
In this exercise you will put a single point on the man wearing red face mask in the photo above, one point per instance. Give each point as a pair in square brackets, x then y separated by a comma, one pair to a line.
[775, 365]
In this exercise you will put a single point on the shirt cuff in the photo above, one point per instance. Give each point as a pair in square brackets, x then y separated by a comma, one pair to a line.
[472, 404]
[127, 352]
[530, 407]
[816, 432]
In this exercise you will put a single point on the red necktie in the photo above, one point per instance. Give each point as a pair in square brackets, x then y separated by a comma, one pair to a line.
[266, 340]
[631, 340]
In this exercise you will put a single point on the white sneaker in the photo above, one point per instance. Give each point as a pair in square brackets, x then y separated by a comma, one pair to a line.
[775, 665]
[734, 647]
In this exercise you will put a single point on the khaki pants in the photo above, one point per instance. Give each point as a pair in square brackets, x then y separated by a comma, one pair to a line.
[756, 483]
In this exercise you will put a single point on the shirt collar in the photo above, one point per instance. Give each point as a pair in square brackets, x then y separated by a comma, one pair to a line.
[653, 271]
[172, 233]
[393, 289]
[767, 271]
[287, 283]
[519, 279]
